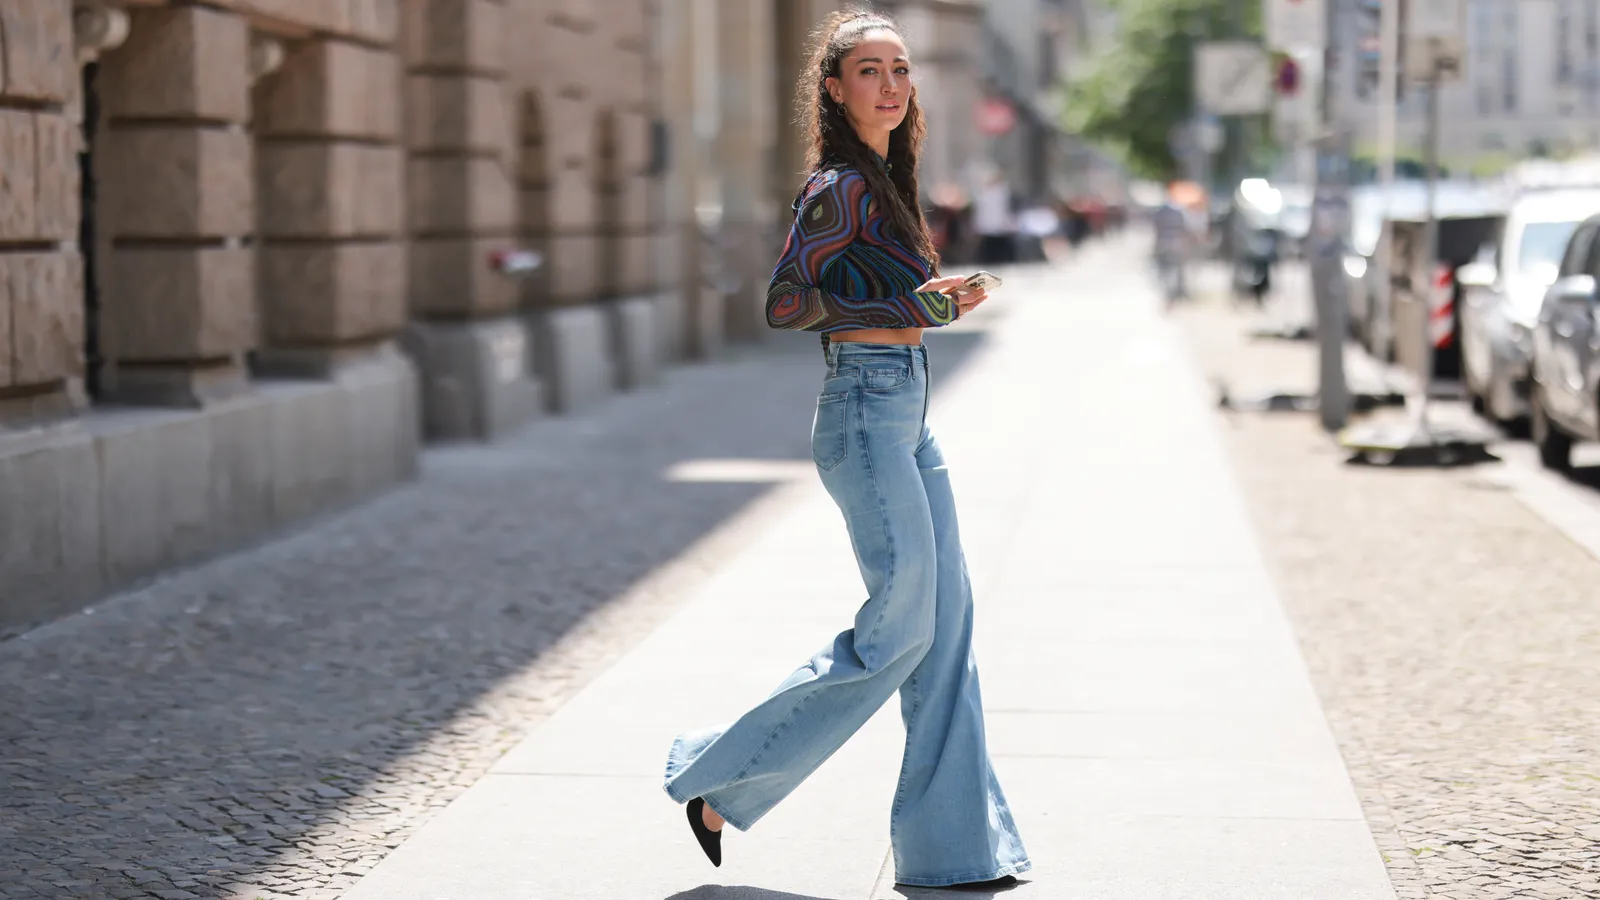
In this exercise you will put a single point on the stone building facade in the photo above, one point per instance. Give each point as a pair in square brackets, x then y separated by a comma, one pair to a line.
[251, 251]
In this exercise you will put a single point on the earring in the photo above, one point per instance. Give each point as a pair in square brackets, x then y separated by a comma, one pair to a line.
[841, 109]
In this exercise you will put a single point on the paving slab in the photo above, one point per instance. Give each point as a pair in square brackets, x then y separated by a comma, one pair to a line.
[1151, 714]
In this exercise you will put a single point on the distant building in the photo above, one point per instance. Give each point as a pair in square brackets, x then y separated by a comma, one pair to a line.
[1531, 83]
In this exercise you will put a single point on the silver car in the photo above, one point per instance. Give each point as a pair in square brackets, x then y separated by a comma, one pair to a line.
[1502, 292]
[1565, 396]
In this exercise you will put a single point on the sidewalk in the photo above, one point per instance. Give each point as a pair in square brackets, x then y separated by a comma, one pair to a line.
[1148, 708]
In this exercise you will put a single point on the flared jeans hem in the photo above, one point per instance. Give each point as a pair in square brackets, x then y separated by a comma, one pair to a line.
[712, 802]
[971, 878]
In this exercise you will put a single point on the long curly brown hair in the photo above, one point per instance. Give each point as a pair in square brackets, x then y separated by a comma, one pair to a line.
[834, 142]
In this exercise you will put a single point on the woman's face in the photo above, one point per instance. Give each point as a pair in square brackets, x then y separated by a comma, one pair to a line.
[874, 82]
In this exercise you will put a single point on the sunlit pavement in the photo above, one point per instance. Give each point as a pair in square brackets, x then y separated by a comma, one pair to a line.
[1149, 711]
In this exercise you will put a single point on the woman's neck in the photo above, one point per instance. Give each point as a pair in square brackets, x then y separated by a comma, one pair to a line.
[878, 142]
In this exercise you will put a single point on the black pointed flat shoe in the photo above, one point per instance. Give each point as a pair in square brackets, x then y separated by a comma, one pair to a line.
[710, 841]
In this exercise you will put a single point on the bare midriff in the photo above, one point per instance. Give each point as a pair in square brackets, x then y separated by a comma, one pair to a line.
[911, 336]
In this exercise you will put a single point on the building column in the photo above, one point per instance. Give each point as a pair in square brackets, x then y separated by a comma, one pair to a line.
[333, 258]
[793, 21]
[628, 286]
[662, 245]
[176, 209]
[473, 347]
[690, 208]
[41, 282]
[746, 45]
[565, 108]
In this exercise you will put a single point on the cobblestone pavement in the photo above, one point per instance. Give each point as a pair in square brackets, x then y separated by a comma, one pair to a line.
[271, 724]
[1453, 635]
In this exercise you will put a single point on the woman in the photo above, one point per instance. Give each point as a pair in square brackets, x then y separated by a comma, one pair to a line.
[857, 268]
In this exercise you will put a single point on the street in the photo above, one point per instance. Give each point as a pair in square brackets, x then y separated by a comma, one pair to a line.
[1450, 622]
[1218, 661]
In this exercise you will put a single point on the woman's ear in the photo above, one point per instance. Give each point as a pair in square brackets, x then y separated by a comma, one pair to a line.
[831, 85]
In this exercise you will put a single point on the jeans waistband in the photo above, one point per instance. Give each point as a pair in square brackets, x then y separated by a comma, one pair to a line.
[844, 351]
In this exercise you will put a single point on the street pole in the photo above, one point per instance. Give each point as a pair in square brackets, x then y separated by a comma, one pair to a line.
[1430, 241]
[1388, 88]
[1233, 28]
[1330, 223]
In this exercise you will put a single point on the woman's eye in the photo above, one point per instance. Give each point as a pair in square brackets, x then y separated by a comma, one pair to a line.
[902, 71]
[869, 71]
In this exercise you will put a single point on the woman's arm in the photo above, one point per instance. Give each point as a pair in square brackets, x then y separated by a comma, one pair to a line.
[830, 218]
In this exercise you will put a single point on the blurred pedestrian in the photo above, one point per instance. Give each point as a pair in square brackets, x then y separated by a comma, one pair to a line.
[948, 221]
[1174, 235]
[859, 267]
[995, 221]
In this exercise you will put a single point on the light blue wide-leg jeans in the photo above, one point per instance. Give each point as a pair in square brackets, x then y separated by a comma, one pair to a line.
[950, 823]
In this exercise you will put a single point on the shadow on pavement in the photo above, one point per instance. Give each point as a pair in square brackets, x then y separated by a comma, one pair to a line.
[741, 892]
[1584, 476]
[282, 718]
[745, 892]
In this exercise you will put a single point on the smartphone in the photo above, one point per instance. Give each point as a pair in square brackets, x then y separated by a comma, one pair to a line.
[986, 280]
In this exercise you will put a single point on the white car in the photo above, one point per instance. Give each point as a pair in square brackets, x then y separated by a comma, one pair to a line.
[1502, 292]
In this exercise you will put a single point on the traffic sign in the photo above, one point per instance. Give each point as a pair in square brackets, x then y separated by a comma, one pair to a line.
[1286, 78]
[1434, 59]
[1233, 78]
[995, 116]
[1435, 19]
[1297, 24]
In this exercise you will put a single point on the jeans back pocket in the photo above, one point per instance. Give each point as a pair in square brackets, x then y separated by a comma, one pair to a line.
[828, 446]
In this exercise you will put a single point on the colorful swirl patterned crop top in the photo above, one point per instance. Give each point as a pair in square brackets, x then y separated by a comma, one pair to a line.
[842, 268]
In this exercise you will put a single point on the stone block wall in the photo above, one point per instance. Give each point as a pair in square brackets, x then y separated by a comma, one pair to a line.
[587, 197]
[331, 174]
[460, 182]
[225, 218]
[41, 318]
[175, 218]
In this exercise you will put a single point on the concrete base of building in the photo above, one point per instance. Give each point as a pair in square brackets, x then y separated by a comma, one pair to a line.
[476, 379]
[672, 327]
[746, 314]
[573, 357]
[707, 331]
[636, 346]
[170, 387]
[97, 504]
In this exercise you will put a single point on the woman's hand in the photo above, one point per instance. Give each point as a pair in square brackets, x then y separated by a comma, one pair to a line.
[942, 285]
[967, 297]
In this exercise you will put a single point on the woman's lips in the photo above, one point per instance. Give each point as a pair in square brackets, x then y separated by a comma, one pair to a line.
[891, 106]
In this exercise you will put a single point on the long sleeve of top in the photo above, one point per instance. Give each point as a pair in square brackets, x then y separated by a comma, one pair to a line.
[842, 269]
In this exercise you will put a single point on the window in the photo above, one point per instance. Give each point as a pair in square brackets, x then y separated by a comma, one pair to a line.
[1563, 48]
[1592, 263]
[1483, 49]
[1509, 38]
[1542, 245]
[1577, 250]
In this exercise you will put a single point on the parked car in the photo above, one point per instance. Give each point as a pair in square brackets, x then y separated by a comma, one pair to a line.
[1503, 291]
[1564, 399]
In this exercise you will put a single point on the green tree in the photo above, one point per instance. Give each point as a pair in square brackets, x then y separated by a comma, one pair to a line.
[1140, 85]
